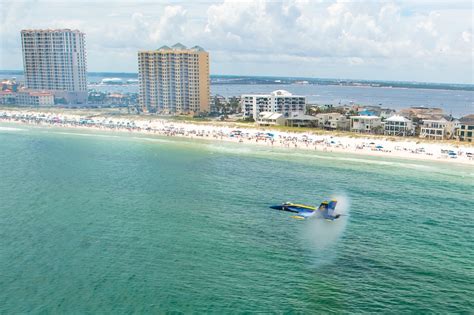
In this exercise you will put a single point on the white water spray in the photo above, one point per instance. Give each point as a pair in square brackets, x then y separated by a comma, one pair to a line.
[320, 235]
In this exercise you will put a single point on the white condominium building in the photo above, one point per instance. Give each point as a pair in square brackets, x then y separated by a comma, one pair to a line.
[279, 101]
[174, 80]
[55, 60]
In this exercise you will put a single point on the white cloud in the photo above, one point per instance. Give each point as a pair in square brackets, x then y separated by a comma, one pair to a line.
[467, 36]
[298, 37]
[171, 24]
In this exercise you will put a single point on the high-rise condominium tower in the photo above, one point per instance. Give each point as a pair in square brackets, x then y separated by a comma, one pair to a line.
[174, 79]
[56, 60]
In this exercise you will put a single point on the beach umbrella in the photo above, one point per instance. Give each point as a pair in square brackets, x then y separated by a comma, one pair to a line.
[379, 147]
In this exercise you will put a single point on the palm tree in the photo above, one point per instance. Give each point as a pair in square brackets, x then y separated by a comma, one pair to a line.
[217, 104]
[234, 104]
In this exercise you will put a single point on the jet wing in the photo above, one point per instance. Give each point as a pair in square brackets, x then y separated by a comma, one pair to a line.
[302, 213]
[299, 209]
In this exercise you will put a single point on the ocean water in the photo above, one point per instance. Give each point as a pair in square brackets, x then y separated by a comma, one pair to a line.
[114, 223]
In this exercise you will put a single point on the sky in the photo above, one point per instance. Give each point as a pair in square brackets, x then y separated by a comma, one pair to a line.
[430, 41]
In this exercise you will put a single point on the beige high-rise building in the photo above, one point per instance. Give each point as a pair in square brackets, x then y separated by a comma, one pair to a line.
[174, 80]
[55, 60]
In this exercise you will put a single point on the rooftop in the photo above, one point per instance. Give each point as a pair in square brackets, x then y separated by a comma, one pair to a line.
[197, 48]
[269, 115]
[441, 120]
[366, 117]
[48, 30]
[40, 94]
[300, 116]
[180, 47]
[398, 118]
[281, 93]
[274, 93]
[467, 120]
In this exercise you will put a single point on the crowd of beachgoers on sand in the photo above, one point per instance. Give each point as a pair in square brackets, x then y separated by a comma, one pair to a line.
[365, 145]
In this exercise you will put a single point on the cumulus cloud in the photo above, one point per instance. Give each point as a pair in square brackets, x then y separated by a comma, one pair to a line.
[467, 36]
[170, 25]
[406, 39]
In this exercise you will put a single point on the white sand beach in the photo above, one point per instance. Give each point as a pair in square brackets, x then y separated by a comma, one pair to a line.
[407, 148]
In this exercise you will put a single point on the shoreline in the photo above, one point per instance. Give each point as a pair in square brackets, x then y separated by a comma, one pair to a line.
[363, 146]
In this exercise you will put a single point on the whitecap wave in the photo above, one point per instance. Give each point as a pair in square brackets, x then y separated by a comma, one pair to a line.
[87, 134]
[154, 139]
[11, 129]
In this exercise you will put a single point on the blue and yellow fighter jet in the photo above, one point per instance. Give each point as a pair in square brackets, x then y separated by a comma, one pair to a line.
[325, 210]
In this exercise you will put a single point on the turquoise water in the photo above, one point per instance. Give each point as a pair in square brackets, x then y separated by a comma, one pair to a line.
[115, 223]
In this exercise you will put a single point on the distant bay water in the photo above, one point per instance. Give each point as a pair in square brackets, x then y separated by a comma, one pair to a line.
[458, 101]
[455, 102]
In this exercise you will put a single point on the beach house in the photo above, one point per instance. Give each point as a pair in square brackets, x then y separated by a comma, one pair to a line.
[299, 119]
[294, 119]
[421, 113]
[466, 128]
[270, 119]
[383, 113]
[437, 129]
[332, 121]
[366, 124]
[398, 126]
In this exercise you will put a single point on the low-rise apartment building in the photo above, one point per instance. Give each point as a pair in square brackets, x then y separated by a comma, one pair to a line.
[35, 98]
[7, 98]
[279, 101]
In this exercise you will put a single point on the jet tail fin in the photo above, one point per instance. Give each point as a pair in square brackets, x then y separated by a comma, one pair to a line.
[332, 207]
[327, 208]
[323, 207]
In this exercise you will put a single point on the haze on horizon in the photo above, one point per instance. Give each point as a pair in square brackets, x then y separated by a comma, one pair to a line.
[401, 40]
